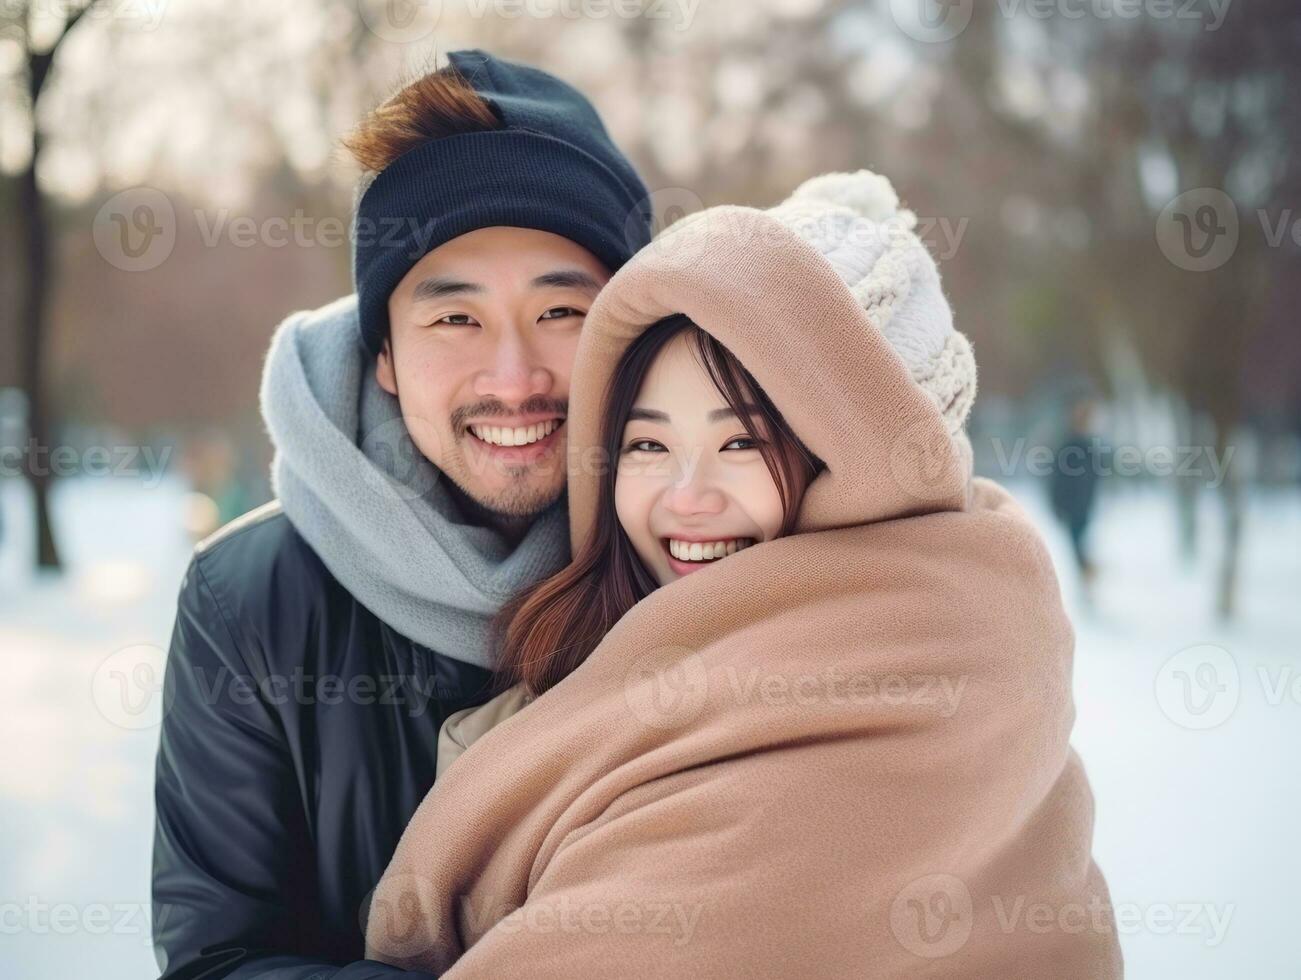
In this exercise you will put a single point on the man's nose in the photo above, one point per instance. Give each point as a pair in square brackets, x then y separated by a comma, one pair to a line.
[514, 372]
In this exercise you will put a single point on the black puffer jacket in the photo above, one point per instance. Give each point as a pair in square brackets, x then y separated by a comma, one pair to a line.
[299, 735]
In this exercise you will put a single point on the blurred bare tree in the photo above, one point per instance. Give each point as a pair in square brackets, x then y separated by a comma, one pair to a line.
[1040, 152]
[1216, 109]
[35, 274]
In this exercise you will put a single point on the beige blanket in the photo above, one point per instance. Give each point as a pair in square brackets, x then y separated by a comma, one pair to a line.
[843, 753]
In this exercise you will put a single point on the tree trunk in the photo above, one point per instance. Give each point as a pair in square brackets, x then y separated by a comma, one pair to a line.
[1231, 499]
[34, 248]
[1188, 428]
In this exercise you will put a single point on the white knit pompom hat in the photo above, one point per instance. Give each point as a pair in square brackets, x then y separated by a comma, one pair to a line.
[854, 219]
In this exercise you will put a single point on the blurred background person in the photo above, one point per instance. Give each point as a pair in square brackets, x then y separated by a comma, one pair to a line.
[1080, 461]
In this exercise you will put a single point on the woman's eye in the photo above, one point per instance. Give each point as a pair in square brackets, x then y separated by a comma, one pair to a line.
[644, 446]
[753, 443]
[456, 320]
[560, 312]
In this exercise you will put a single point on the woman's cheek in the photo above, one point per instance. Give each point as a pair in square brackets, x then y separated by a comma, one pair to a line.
[632, 504]
[757, 494]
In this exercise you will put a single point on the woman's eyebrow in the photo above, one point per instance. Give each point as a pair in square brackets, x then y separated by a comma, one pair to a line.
[638, 414]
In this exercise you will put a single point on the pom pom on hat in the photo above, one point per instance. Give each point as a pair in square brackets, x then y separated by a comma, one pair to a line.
[868, 195]
[856, 222]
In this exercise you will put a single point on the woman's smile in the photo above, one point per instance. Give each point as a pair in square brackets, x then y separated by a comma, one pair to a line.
[686, 555]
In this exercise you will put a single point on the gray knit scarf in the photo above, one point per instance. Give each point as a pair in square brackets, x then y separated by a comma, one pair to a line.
[377, 512]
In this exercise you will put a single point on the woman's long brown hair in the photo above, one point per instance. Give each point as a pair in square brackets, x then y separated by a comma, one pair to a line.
[547, 630]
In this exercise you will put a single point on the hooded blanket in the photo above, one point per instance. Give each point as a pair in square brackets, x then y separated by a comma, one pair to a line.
[840, 753]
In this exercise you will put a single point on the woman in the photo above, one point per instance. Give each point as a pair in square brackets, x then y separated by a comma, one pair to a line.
[839, 751]
[706, 466]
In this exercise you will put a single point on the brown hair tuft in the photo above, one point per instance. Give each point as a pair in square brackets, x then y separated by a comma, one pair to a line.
[436, 105]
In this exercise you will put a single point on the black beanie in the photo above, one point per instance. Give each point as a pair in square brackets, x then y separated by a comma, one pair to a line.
[551, 167]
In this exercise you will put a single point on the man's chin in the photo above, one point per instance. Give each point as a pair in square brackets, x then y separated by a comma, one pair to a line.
[518, 501]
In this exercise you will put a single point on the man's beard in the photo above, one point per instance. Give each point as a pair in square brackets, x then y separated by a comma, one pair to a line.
[522, 498]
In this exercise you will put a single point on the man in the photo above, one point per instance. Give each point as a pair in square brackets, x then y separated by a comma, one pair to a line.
[420, 468]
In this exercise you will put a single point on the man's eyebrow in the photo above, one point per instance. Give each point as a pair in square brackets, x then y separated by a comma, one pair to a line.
[567, 279]
[440, 287]
[437, 287]
[638, 414]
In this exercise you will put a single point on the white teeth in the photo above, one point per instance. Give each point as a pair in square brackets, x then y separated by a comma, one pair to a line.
[522, 436]
[706, 550]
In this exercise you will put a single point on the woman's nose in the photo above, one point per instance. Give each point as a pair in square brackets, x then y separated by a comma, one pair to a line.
[693, 491]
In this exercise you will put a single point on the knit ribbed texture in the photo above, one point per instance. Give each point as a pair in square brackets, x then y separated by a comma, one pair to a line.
[856, 221]
[552, 167]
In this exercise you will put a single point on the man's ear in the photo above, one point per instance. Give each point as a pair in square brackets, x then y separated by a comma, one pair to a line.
[384, 370]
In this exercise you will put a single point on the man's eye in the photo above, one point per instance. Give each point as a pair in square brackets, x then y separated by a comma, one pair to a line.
[644, 446]
[560, 312]
[456, 320]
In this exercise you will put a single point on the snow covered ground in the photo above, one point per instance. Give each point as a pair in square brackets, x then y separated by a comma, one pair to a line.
[1189, 731]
